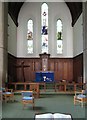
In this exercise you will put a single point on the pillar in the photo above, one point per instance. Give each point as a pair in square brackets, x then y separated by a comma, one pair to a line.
[3, 42]
[85, 41]
[3, 46]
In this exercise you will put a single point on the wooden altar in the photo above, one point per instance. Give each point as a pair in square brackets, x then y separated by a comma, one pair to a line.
[44, 76]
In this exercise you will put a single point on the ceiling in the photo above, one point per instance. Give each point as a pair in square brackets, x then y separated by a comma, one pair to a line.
[74, 7]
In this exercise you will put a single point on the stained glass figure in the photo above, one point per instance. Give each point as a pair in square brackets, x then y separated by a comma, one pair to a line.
[59, 37]
[30, 37]
[44, 25]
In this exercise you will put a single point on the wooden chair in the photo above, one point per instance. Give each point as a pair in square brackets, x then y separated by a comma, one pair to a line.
[35, 88]
[27, 98]
[80, 97]
[7, 94]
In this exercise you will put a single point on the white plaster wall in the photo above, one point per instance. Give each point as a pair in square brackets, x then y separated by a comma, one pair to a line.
[56, 10]
[12, 37]
[78, 37]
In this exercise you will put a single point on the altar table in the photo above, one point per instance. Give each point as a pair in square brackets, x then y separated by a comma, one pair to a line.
[44, 76]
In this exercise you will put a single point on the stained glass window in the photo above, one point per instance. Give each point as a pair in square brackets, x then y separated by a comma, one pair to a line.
[44, 28]
[30, 36]
[59, 37]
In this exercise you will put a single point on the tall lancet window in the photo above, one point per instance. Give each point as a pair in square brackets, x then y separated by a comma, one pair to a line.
[30, 36]
[44, 30]
[59, 36]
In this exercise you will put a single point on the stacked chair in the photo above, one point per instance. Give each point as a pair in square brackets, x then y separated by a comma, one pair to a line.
[7, 94]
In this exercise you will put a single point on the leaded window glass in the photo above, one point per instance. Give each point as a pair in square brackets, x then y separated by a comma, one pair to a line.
[44, 28]
[30, 36]
[59, 37]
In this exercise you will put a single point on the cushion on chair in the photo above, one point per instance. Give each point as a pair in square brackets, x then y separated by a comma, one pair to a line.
[27, 94]
[7, 93]
[27, 98]
[81, 96]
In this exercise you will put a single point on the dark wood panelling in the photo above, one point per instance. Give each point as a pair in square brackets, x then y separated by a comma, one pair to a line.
[11, 68]
[78, 67]
[64, 68]
[31, 65]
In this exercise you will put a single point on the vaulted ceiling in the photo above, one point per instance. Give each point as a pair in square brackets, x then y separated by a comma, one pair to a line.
[74, 7]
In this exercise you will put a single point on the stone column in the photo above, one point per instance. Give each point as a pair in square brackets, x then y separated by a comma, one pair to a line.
[3, 46]
[85, 41]
[3, 42]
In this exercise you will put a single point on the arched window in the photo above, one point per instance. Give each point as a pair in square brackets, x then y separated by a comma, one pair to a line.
[59, 36]
[30, 36]
[44, 26]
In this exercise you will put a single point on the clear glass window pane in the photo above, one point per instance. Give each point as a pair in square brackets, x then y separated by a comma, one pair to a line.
[30, 37]
[59, 37]
[44, 27]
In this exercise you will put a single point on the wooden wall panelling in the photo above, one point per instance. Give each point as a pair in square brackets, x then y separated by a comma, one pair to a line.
[56, 77]
[19, 75]
[31, 72]
[27, 70]
[30, 66]
[57, 74]
[65, 70]
[60, 67]
[33, 62]
[51, 65]
[11, 68]
[70, 70]
[56, 66]
[78, 67]
[19, 70]
[38, 65]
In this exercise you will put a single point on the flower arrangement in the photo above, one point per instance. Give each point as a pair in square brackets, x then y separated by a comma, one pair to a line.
[44, 68]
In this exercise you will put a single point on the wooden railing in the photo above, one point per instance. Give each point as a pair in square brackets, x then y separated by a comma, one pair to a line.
[63, 86]
[33, 86]
[58, 86]
[25, 84]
